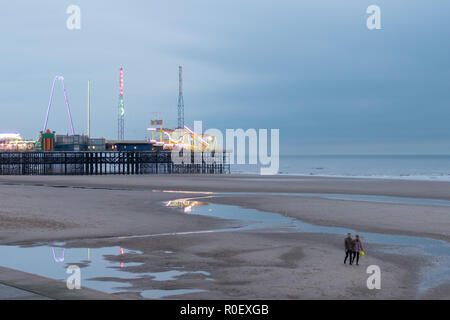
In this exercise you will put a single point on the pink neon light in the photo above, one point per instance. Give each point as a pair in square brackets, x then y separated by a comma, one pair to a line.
[121, 81]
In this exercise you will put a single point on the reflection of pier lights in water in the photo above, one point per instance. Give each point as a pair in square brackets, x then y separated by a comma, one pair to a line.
[61, 259]
[58, 259]
[121, 253]
[185, 204]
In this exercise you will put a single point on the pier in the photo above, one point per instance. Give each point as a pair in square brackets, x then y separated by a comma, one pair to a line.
[109, 163]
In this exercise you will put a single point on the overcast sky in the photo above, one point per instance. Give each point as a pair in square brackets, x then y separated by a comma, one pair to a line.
[310, 68]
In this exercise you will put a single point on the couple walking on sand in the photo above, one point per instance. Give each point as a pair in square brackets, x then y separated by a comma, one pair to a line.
[353, 249]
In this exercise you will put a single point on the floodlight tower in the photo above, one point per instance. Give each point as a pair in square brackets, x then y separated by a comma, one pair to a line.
[121, 110]
[180, 98]
[89, 110]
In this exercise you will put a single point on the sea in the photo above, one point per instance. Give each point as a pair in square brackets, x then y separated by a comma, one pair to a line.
[413, 167]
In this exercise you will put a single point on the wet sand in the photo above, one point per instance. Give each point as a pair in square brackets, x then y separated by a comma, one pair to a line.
[244, 265]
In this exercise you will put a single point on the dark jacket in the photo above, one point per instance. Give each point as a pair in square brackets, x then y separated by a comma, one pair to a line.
[348, 244]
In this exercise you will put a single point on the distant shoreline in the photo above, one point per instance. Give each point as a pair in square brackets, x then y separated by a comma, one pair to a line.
[300, 175]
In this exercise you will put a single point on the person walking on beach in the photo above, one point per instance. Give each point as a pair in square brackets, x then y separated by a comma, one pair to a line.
[357, 248]
[348, 243]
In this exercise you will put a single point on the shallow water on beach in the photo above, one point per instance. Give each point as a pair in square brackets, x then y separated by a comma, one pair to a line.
[437, 251]
[103, 271]
[51, 261]
[352, 197]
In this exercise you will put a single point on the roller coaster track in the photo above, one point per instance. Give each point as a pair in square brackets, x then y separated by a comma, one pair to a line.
[58, 78]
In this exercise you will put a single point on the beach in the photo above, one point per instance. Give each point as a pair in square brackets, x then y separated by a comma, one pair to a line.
[236, 263]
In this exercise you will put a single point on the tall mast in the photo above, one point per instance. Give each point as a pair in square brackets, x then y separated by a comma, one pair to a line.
[89, 110]
[121, 110]
[180, 98]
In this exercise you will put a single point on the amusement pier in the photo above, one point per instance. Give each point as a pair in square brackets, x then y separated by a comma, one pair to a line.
[81, 154]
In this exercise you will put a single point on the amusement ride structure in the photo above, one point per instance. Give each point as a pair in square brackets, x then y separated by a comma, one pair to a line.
[58, 78]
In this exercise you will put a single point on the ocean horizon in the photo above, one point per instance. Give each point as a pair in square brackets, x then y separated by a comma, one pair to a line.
[413, 167]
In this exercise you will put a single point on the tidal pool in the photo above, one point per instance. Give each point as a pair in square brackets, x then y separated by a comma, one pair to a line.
[101, 266]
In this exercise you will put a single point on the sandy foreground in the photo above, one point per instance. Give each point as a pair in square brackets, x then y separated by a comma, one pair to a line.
[258, 264]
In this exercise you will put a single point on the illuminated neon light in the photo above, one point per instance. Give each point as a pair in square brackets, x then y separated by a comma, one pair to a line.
[171, 139]
[14, 142]
[58, 78]
[60, 259]
[196, 135]
[178, 142]
[121, 82]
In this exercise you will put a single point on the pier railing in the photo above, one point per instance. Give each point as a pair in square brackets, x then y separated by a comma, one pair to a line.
[110, 162]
